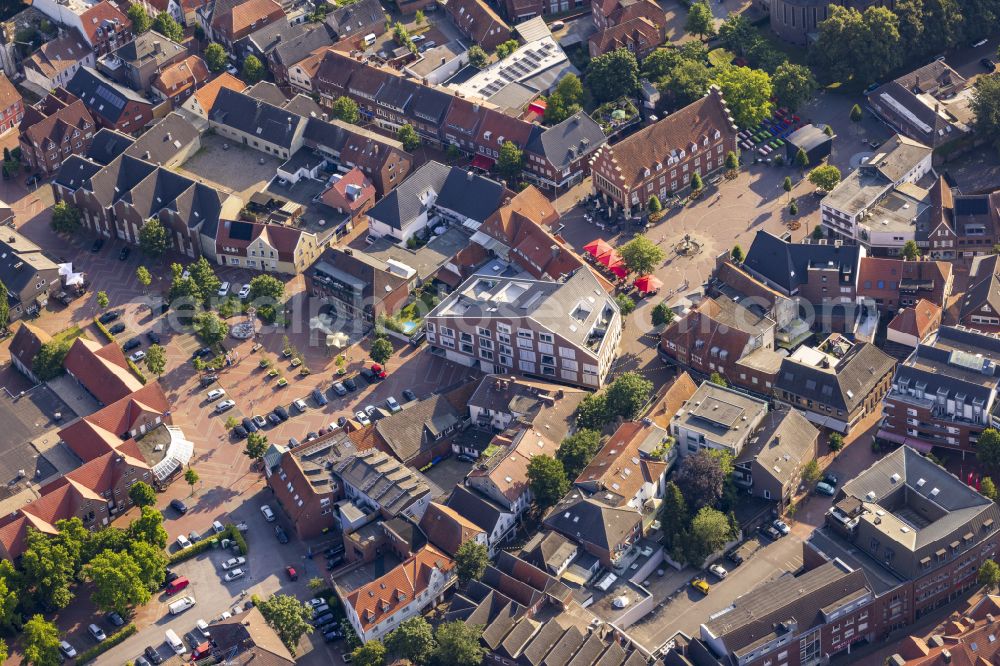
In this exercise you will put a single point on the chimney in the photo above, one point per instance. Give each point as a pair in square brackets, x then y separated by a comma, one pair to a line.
[156, 47]
[946, 656]
[469, 175]
[169, 136]
[556, 251]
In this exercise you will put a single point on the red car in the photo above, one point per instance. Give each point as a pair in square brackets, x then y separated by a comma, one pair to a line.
[378, 370]
[292, 573]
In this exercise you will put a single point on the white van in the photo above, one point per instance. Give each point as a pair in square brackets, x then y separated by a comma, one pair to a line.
[181, 605]
[370, 39]
[174, 642]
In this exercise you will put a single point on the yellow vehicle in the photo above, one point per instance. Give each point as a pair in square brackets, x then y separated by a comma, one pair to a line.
[701, 585]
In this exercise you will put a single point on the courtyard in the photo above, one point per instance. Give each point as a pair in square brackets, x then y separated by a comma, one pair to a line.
[230, 167]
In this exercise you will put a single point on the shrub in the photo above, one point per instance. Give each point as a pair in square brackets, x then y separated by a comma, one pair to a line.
[231, 532]
[104, 329]
[135, 370]
[105, 645]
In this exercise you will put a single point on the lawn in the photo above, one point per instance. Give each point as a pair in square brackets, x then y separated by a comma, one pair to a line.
[68, 335]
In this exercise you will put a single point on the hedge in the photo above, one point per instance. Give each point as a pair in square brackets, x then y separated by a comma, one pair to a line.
[135, 370]
[200, 547]
[104, 329]
[106, 644]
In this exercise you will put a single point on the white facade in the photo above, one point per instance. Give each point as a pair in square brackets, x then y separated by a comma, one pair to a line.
[44, 82]
[438, 583]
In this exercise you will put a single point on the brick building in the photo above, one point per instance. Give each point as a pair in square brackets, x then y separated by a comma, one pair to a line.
[58, 126]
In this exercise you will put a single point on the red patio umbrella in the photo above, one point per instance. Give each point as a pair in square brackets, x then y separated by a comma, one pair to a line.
[647, 284]
[619, 269]
[609, 258]
[597, 247]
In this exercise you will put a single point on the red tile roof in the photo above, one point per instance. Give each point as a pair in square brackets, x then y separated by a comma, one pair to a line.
[920, 320]
[102, 370]
[639, 35]
[399, 587]
[175, 79]
[349, 193]
[510, 474]
[104, 430]
[8, 93]
[618, 467]
[53, 119]
[94, 18]
[477, 21]
[206, 95]
[931, 277]
[447, 529]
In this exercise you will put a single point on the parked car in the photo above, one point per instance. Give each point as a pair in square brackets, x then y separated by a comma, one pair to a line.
[224, 290]
[116, 329]
[339, 388]
[462, 457]
[557, 25]
[224, 405]
[201, 353]
[179, 506]
[701, 585]
[153, 337]
[362, 418]
[268, 514]
[249, 424]
[300, 405]
[719, 571]
[408, 395]
[292, 573]
[341, 421]
[350, 385]
[141, 661]
[735, 558]
[137, 356]
[114, 619]
[123, 254]
[208, 379]
[273, 418]
[233, 575]
[393, 406]
[183, 542]
[368, 374]
[97, 633]
[67, 650]
[131, 344]
[281, 412]
[259, 421]
[771, 533]
[109, 316]
[202, 626]
[320, 611]
[781, 527]
[323, 619]
[97, 245]
[824, 488]
[215, 394]
[987, 64]
[239, 432]
[194, 536]
[152, 655]
[244, 291]
[831, 479]
[280, 533]
[319, 397]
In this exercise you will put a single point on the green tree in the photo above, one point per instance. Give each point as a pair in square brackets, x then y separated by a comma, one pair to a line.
[256, 446]
[48, 569]
[371, 653]
[48, 362]
[102, 300]
[570, 89]
[718, 379]
[825, 177]
[346, 109]
[556, 109]
[836, 441]
[625, 304]
[737, 254]
[910, 250]
[289, 618]
[381, 351]
[801, 159]
[204, 277]
[419, 18]
[989, 575]
[786, 185]
[199, 33]
[811, 473]
[654, 205]
[660, 62]
[143, 276]
[911, 26]
[710, 530]
[477, 56]
[510, 162]
[506, 48]
[547, 480]
[152, 563]
[988, 488]
[793, 84]
[253, 69]
[673, 515]
[592, 412]
[946, 17]
[641, 255]
[662, 314]
[9, 600]
[738, 34]
[117, 581]
[215, 57]
[41, 642]
[210, 328]
[701, 479]
[458, 644]
[471, 559]
[687, 82]
[988, 449]
[747, 93]
[793, 208]
[613, 75]
[408, 136]
[165, 24]
[4, 308]
[191, 477]
[156, 359]
[700, 21]
[696, 183]
[412, 640]
[576, 451]
[148, 527]
[142, 494]
[732, 161]
[817, 232]
[66, 218]
[855, 45]
[140, 19]
[628, 394]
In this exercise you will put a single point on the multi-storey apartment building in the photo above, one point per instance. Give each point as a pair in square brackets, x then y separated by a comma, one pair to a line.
[945, 393]
[717, 418]
[662, 158]
[560, 330]
[52, 130]
[877, 204]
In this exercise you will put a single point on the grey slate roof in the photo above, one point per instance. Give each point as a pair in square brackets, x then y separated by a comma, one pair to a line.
[164, 140]
[266, 39]
[350, 20]
[430, 105]
[149, 46]
[588, 521]
[985, 285]
[384, 479]
[265, 91]
[246, 114]
[786, 264]
[22, 262]
[562, 144]
[76, 171]
[295, 49]
[481, 510]
[102, 96]
[107, 145]
[476, 197]
[406, 432]
[845, 385]
[786, 441]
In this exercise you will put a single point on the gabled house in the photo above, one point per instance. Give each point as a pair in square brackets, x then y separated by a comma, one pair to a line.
[58, 126]
[101, 369]
[248, 637]
[227, 21]
[500, 401]
[102, 24]
[56, 61]
[503, 477]
[133, 415]
[11, 105]
[770, 467]
[292, 52]
[925, 104]
[360, 287]
[424, 428]
[26, 272]
[914, 324]
[269, 248]
[894, 283]
[494, 519]
[200, 103]
[377, 480]
[479, 23]
[27, 340]
[622, 474]
[364, 17]
[447, 529]
[112, 105]
[138, 62]
[177, 82]
[351, 194]
[636, 25]
[981, 303]
[607, 533]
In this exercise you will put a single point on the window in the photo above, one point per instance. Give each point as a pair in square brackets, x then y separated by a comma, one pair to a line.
[485, 332]
[566, 352]
[546, 337]
[525, 334]
[466, 337]
[467, 348]
[548, 360]
[523, 343]
[485, 344]
[486, 353]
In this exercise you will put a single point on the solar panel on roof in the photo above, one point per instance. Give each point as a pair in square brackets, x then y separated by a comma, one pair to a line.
[110, 97]
[971, 206]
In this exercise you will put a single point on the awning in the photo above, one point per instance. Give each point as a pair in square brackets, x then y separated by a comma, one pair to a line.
[482, 162]
[538, 106]
[917, 444]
